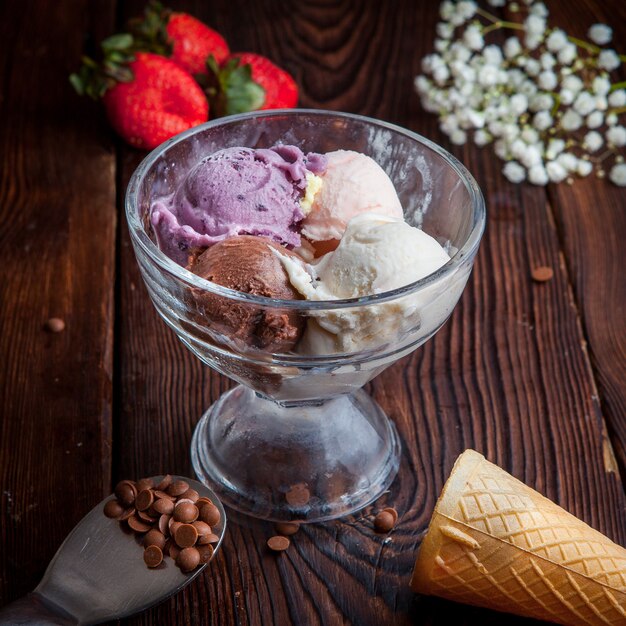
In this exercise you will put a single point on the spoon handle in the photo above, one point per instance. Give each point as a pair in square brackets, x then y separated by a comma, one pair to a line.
[33, 610]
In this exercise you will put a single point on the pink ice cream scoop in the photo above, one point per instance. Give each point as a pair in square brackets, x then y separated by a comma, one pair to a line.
[236, 191]
[352, 184]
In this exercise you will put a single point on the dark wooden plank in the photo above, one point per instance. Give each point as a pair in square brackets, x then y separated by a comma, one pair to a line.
[591, 217]
[57, 246]
[508, 375]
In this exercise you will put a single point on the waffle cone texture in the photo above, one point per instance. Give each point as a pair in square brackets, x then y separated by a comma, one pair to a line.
[497, 543]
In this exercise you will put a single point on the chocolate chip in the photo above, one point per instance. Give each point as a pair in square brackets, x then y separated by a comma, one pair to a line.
[146, 517]
[204, 531]
[145, 483]
[298, 495]
[165, 483]
[55, 325]
[542, 274]
[287, 528]
[206, 552]
[392, 512]
[210, 514]
[163, 506]
[113, 509]
[200, 501]
[138, 525]
[173, 550]
[190, 494]
[144, 500]
[278, 543]
[188, 559]
[164, 524]
[186, 512]
[384, 522]
[154, 537]
[161, 495]
[153, 556]
[212, 538]
[177, 488]
[127, 514]
[185, 535]
[125, 492]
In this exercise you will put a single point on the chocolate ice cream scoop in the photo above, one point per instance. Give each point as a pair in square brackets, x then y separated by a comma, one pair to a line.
[246, 263]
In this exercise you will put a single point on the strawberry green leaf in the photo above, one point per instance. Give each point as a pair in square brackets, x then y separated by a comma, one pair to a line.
[230, 88]
[120, 42]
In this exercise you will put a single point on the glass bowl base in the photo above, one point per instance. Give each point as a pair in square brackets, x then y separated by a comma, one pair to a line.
[307, 462]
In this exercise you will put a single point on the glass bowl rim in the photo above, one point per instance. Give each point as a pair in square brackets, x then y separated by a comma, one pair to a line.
[157, 257]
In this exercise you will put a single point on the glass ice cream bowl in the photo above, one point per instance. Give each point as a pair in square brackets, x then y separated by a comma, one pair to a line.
[298, 439]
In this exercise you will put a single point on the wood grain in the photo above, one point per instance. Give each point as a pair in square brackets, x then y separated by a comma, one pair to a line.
[508, 375]
[529, 374]
[57, 235]
[591, 218]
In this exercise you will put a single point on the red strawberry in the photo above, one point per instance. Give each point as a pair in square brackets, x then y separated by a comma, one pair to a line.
[159, 102]
[193, 42]
[281, 90]
[180, 36]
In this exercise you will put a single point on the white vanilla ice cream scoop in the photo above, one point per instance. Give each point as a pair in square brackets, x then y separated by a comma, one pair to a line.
[353, 183]
[377, 253]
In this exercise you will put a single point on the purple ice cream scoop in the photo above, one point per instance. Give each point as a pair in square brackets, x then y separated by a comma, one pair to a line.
[236, 191]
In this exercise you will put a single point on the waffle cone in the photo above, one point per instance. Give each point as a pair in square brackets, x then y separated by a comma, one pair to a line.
[497, 543]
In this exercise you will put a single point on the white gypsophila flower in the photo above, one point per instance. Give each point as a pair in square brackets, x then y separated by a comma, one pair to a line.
[541, 102]
[518, 104]
[571, 120]
[496, 3]
[557, 40]
[585, 103]
[601, 103]
[446, 10]
[460, 51]
[481, 137]
[495, 128]
[593, 141]
[600, 34]
[555, 147]
[458, 137]
[441, 74]
[618, 98]
[422, 84]
[537, 175]
[530, 135]
[473, 37]
[547, 61]
[510, 131]
[467, 8]
[609, 60]
[444, 30]
[488, 76]
[532, 41]
[535, 25]
[618, 174]
[556, 172]
[539, 8]
[572, 83]
[616, 135]
[567, 96]
[567, 54]
[547, 80]
[501, 149]
[528, 88]
[441, 45]
[429, 62]
[542, 120]
[492, 55]
[512, 47]
[449, 123]
[584, 168]
[531, 156]
[533, 67]
[601, 85]
[595, 119]
[611, 119]
[568, 161]
[514, 172]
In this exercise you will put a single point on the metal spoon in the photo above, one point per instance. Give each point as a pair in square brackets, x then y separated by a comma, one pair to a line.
[98, 574]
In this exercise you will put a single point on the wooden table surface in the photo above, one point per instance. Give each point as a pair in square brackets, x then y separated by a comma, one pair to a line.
[531, 375]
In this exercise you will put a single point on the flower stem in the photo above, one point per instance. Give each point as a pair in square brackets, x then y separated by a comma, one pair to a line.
[618, 110]
[584, 44]
[616, 86]
[487, 15]
[503, 24]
